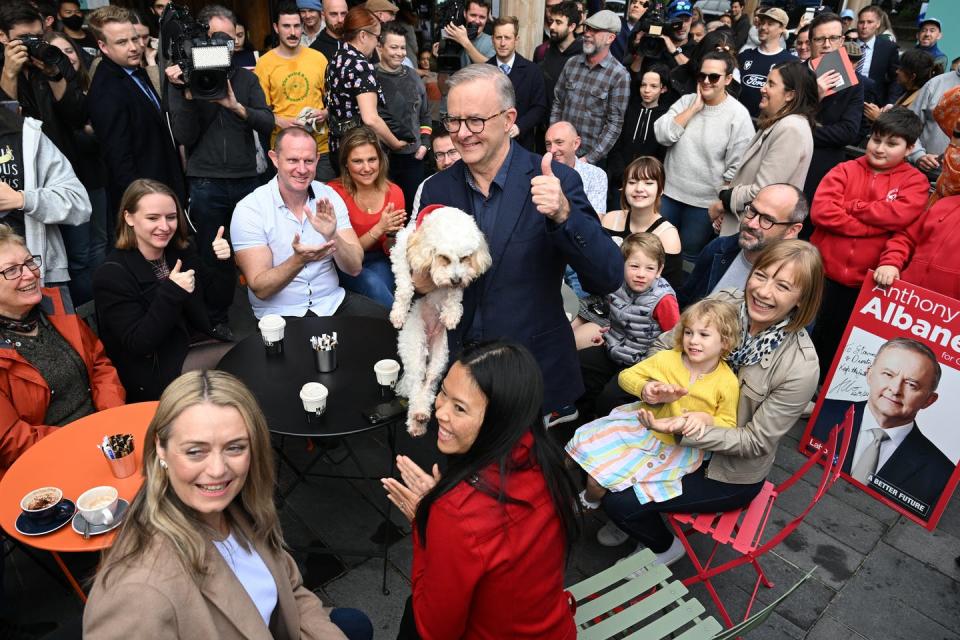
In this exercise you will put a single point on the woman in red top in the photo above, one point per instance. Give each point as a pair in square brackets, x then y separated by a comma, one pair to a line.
[376, 211]
[492, 534]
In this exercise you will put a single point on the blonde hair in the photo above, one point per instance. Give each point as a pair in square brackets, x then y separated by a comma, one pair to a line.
[9, 236]
[646, 243]
[104, 16]
[643, 168]
[157, 511]
[130, 202]
[808, 272]
[721, 315]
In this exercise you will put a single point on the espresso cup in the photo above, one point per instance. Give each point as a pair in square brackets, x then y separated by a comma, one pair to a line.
[99, 505]
[40, 505]
[314, 398]
[271, 330]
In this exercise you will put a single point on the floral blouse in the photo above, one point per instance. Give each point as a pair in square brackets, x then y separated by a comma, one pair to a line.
[350, 75]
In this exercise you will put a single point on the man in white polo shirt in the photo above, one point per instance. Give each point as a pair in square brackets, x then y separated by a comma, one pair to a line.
[292, 234]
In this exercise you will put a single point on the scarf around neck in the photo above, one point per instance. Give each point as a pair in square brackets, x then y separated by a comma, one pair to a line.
[752, 348]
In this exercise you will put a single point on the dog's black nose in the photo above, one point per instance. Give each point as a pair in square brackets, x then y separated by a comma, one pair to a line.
[454, 281]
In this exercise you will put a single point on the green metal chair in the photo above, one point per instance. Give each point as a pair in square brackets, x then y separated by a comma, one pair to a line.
[610, 605]
[761, 616]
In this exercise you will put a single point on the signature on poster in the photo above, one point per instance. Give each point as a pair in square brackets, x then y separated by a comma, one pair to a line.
[850, 380]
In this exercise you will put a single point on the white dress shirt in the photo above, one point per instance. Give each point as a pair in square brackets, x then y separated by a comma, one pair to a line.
[896, 436]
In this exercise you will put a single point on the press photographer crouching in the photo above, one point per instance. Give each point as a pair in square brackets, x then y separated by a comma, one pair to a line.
[221, 156]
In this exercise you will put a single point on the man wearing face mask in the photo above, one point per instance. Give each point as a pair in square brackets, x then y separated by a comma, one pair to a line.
[71, 17]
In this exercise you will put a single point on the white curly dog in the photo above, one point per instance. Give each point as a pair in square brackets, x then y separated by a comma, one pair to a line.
[446, 244]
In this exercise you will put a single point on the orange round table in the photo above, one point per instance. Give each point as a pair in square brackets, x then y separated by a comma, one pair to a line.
[69, 459]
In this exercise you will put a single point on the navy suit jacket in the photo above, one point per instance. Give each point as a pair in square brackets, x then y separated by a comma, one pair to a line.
[134, 139]
[528, 84]
[519, 297]
[916, 467]
[883, 67]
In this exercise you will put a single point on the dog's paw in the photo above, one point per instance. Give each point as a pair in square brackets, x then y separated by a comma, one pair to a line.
[396, 318]
[451, 318]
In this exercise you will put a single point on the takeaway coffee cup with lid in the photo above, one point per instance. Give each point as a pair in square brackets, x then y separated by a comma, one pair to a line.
[387, 372]
[314, 398]
[271, 330]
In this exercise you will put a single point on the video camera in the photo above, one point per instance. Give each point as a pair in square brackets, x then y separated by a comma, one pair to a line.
[653, 24]
[204, 60]
[451, 11]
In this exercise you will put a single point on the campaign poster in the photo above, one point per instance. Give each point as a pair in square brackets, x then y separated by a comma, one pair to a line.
[899, 366]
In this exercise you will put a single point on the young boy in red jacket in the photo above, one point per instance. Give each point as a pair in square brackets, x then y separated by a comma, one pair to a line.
[858, 207]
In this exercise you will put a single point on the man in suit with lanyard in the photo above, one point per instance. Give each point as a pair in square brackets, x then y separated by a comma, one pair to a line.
[125, 111]
[536, 218]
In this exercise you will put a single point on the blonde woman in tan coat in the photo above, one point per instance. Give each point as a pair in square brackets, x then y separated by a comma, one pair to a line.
[201, 554]
[781, 150]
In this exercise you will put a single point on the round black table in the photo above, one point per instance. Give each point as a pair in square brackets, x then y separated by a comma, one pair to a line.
[276, 379]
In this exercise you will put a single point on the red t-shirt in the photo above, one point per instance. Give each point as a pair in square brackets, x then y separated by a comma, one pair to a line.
[360, 220]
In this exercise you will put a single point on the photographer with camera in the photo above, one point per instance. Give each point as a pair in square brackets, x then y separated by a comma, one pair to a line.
[477, 46]
[221, 155]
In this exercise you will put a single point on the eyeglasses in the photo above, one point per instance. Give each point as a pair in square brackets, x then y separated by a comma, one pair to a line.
[474, 124]
[822, 39]
[375, 35]
[453, 155]
[15, 271]
[709, 78]
[767, 221]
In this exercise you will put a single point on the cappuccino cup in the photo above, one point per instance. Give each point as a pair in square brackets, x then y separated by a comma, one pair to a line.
[271, 330]
[40, 505]
[99, 505]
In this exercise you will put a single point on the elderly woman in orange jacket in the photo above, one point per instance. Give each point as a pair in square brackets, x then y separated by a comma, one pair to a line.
[53, 369]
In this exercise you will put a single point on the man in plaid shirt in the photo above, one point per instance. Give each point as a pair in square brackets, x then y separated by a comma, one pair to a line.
[593, 89]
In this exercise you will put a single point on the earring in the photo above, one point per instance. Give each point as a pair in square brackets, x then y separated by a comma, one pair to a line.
[163, 464]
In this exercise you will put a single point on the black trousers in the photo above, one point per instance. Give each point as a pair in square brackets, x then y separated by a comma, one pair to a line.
[602, 391]
[838, 303]
[355, 304]
[700, 495]
[408, 626]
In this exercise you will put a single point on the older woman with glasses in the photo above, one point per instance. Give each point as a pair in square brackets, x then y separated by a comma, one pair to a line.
[705, 134]
[353, 93]
[53, 370]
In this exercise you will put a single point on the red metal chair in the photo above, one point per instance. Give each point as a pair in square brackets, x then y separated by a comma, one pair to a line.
[743, 529]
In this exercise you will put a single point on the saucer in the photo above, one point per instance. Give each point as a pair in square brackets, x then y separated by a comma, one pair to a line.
[97, 529]
[26, 526]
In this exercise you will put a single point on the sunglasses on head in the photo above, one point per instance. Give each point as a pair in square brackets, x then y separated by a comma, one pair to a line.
[710, 78]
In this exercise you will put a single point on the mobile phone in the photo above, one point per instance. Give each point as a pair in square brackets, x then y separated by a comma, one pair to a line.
[385, 411]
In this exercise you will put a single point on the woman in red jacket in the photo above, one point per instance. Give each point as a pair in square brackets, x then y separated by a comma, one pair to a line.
[492, 534]
[53, 369]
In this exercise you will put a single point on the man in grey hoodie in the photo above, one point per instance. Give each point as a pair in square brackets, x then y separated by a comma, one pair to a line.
[38, 192]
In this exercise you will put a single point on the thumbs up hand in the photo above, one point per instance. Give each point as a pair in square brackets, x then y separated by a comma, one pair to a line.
[183, 279]
[547, 193]
[221, 248]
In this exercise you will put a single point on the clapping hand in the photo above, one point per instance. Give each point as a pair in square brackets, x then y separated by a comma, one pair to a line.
[660, 425]
[547, 194]
[324, 220]
[392, 221]
[183, 279]
[311, 252]
[221, 248]
[660, 392]
[416, 483]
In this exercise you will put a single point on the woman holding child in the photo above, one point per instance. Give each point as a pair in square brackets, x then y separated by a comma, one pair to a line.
[777, 368]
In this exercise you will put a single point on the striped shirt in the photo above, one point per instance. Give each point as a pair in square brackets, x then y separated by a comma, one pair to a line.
[594, 100]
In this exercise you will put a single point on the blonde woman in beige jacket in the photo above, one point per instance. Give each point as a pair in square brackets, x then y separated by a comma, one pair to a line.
[781, 150]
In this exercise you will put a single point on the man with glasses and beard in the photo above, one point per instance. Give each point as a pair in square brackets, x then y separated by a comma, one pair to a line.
[593, 89]
[536, 219]
[777, 213]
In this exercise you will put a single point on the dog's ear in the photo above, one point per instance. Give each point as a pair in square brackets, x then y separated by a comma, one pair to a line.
[419, 252]
[480, 260]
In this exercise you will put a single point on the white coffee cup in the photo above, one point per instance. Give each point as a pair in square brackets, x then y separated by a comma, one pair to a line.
[99, 505]
[387, 372]
[314, 397]
[271, 327]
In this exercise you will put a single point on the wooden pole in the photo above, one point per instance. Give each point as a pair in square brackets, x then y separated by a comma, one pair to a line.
[530, 15]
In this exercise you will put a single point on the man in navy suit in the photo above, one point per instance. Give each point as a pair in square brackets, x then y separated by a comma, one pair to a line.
[526, 78]
[125, 111]
[536, 219]
[893, 452]
[881, 57]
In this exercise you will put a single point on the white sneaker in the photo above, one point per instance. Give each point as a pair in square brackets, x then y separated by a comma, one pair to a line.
[610, 535]
[671, 555]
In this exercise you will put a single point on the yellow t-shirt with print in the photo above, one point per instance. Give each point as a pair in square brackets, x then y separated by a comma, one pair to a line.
[290, 84]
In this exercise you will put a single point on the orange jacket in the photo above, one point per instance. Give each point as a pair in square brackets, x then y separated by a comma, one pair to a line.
[24, 394]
